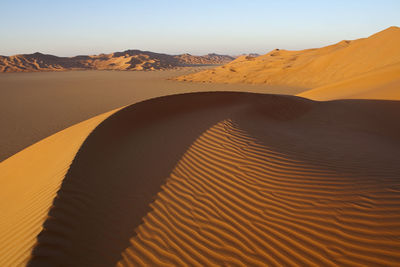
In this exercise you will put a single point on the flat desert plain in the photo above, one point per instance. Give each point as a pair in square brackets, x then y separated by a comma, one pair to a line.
[42, 103]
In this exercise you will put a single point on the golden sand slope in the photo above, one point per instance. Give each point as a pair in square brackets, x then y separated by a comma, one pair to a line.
[380, 84]
[312, 67]
[29, 182]
[232, 178]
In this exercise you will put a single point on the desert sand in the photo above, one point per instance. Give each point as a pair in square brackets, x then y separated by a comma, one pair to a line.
[313, 68]
[383, 83]
[40, 104]
[29, 182]
[212, 178]
[169, 175]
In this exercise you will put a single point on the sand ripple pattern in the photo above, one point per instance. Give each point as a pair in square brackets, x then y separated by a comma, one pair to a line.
[232, 200]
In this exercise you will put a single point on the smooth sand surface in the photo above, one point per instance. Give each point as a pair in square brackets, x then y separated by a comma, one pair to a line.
[310, 68]
[29, 182]
[36, 105]
[383, 83]
[229, 178]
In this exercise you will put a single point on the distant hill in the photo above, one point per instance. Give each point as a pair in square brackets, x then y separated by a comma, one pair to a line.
[310, 68]
[126, 60]
[204, 60]
[249, 55]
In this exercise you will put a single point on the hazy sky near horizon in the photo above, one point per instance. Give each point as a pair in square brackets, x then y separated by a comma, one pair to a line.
[73, 27]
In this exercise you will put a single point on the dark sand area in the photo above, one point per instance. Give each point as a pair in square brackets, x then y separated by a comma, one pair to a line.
[36, 105]
[230, 179]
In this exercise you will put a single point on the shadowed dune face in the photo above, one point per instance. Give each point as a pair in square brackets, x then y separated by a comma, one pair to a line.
[29, 182]
[134, 152]
[232, 178]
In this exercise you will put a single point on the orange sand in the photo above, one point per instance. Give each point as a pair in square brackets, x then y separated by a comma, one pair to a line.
[223, 178]
[29, 182]
[310, 68]
[228, 178]
[383, 83]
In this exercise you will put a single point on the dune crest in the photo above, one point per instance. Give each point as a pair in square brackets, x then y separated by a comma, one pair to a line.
[241, 178]
[30, 180]
[310, 68]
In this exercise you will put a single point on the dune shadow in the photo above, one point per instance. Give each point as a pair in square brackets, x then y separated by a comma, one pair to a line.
[117, 173]
[122, 165]
[342, 136]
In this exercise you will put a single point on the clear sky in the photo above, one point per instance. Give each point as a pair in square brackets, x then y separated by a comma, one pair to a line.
[73, 27]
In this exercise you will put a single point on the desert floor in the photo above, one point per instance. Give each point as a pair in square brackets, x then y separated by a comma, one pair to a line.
[40, 104]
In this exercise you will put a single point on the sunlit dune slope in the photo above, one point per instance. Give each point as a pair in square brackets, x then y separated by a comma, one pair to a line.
[380, 84]
[232, 178]
[29, 182]
[312, 67]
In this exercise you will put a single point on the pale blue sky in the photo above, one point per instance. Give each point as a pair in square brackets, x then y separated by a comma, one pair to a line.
[72, 27]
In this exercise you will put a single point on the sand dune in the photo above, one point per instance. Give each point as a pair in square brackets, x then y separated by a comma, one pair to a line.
[29, 182]
[227, 178]
[310, 68]
[380, 84]
[245, 195]
[126, 60]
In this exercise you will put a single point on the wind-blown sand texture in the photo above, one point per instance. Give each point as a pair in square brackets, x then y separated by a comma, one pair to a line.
[311, 68]
[126, 60]
[227, 178]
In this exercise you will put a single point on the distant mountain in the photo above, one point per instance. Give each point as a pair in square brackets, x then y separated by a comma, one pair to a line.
[204, 60]
[310, 68]
[126, 60]
[248, 55]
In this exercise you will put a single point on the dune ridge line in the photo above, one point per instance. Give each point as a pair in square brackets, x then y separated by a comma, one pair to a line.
[241, 178]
